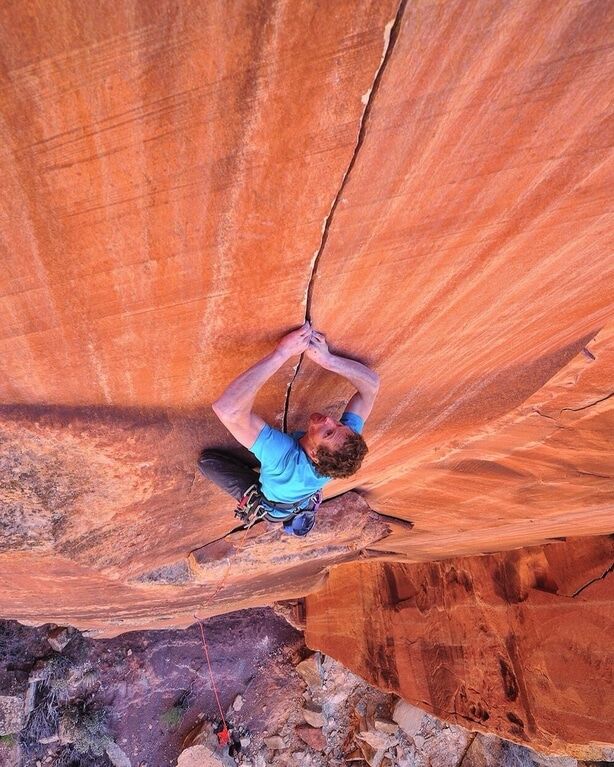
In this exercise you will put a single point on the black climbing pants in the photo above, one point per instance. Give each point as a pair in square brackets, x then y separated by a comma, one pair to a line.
[227, 472]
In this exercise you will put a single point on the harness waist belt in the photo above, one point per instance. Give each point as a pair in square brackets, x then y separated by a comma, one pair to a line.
[285, 506]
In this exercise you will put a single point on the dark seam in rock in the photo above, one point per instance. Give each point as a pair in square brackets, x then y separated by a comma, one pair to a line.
[457, 715]
[594, 580]
[466, 751]
[222, 537]
[394, 33]
[549, 417]
[590, 404]
[512, 651]
[593, 474]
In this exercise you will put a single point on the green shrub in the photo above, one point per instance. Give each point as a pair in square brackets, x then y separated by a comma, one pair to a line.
[86, 726]
[172, 718]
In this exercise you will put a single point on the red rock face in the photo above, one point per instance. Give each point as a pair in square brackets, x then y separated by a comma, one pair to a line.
[469, 259]
[167, 170]
[182, 183]
[516, 643]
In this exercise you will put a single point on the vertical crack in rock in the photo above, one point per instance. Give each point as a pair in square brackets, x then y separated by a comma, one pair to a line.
[391, 33]
[467, 749]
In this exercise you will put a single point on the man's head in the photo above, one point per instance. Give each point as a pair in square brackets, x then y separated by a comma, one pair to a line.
[335, 449]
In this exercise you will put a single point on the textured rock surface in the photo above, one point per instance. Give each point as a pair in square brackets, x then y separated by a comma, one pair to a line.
[467, 257]
[154, 686]
[519, 644]
[167, 169]
[200, 756]
[184, 181]
[11, 714]
[239, 570]
[155, 690]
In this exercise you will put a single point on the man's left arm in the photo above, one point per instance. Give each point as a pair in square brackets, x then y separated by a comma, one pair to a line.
[363, 378]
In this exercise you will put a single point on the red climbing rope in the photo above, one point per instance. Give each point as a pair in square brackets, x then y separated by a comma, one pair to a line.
[223, 736]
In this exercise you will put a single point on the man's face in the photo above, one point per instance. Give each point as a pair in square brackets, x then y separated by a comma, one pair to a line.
[324, 431]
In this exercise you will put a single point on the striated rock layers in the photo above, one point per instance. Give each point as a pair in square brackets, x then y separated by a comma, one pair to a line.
[519, 644]
[183, 181]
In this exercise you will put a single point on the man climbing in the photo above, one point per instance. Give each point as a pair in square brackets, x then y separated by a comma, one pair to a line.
[293, 468]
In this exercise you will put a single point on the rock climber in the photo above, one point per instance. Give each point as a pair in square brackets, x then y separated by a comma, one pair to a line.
[293, 468]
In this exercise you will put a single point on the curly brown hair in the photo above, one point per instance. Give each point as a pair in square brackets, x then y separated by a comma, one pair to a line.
[344, 461]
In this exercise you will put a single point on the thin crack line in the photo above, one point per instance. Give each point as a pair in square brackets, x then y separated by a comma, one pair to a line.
[222, 537]
[590, 404]
[284, 426]
[394, 33]
[466, 751]
[543, 415]
[594, 580]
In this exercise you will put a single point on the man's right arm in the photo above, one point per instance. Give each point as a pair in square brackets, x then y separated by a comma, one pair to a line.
[234, 406]
[363, 378]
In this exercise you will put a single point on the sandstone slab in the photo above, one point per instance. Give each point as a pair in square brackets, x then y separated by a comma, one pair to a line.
[313, 715]
[117, 756]
[59, 637]
[344, 528]
[312, 736]
[200, 756]
[310, 670]
[408, 717]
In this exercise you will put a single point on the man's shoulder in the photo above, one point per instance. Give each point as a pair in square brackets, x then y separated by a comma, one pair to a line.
[353, 420]
[273, 444]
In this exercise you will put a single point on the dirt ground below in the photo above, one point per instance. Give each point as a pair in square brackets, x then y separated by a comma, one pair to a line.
[145, 700]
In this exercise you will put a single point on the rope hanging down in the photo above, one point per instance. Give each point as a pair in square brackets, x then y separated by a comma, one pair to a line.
[224, 735]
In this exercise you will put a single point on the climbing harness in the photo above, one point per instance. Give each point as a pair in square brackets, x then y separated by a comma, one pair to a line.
[300, 519]
[296, 518]
[250, 509]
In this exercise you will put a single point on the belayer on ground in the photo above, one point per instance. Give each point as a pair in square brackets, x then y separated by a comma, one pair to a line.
[287, 484]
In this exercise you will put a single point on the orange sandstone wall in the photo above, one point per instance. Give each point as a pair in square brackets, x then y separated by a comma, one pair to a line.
[519, 643]
[470, 260]
[184, 181]
[167, 168]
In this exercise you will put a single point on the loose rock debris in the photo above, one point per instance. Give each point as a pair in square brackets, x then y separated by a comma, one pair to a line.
[285, 705]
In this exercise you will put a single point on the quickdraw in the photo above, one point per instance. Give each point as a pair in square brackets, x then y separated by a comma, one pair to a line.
[297, 518]
[250, 509]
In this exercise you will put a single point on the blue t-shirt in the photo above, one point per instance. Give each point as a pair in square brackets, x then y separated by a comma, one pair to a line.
[287, 474]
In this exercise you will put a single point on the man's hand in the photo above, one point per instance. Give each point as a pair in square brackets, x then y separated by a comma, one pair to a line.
[295, 342]
[318, 348]
[365, 380]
